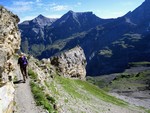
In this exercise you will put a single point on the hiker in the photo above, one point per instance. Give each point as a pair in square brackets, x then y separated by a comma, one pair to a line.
[22, 61]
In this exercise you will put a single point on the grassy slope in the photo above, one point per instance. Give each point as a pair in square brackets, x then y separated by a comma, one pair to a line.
[126, 83]
[81, 96]
[59, 94]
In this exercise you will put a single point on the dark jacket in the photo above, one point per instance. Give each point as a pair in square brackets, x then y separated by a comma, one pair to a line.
[22, 61]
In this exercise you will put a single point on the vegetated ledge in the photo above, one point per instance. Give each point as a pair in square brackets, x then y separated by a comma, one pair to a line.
[60, 94]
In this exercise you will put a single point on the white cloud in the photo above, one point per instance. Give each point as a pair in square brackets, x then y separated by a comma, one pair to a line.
[53, 16]
[52, 4]
[22, 3]
[59, 7]
[25, 9]
[129, 3]
[21, 6]
[32, 17]
[79, 3]
[40, 4]
[19, 9]
[27, 18]
[38, 0]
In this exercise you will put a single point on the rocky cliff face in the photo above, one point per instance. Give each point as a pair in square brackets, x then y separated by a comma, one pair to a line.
[9, 44]
[9, 38]
[71, 63]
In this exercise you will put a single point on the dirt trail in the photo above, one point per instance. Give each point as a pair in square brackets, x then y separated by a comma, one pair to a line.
[24, 99]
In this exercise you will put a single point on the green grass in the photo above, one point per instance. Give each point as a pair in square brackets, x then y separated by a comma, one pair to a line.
[15, 78]
[124, 82]
[32, 74]
[130, 82]
[106, 52]
[100, 93]
[133, 77]
[71, 86]
[41, 98]
[148, 111]
[37, 49]
[51, 86]
[136, 64]
[97, 81]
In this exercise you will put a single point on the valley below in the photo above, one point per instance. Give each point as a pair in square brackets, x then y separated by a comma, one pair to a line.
[132, 85]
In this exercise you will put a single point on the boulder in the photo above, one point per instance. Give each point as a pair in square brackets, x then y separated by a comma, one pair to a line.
[71, 63]
[7, 98]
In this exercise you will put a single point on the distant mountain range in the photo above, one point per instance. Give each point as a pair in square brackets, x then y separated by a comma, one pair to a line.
[109, 44]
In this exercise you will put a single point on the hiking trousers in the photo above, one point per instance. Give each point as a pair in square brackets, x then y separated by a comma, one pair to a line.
[24, 71]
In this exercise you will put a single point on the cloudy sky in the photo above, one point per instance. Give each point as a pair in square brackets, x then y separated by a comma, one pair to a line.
[29, 9]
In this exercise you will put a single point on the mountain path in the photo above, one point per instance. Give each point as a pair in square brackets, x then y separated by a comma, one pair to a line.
[24, 101]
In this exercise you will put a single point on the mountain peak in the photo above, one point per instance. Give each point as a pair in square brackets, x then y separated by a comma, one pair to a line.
[141, 13]
[40, 20]
[40, 16]
[70, 11]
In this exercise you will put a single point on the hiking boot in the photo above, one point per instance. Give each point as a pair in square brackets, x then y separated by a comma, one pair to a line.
[24, 80]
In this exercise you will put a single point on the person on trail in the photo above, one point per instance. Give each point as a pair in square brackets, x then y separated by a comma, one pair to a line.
[22, 61]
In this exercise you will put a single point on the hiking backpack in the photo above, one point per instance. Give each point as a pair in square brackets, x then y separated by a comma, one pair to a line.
[24, 59]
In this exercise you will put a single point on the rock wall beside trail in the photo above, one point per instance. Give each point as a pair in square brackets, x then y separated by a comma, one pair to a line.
[9, 44]
[6, 98]
[9, 39]
[71, 63]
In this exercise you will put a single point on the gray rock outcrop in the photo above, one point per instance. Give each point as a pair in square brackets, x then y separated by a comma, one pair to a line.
[9, 38]
[71, 63]
[9, 44]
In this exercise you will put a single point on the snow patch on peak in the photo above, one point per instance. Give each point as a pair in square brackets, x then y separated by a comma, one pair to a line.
[128, 20]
